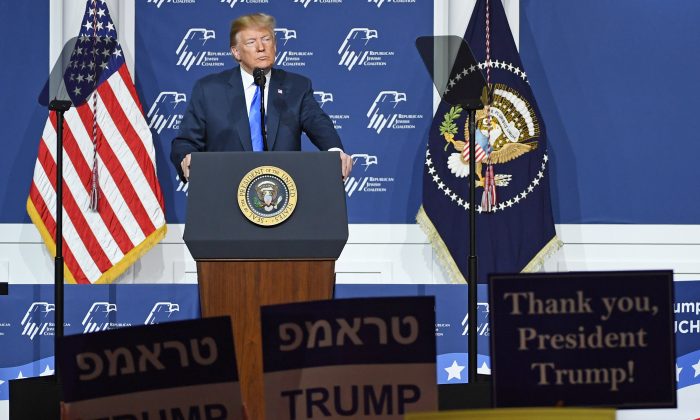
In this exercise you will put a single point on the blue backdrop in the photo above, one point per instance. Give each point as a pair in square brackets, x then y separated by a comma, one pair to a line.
[615, 82]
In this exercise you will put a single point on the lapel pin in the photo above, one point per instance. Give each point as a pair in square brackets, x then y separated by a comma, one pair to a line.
[279, 91]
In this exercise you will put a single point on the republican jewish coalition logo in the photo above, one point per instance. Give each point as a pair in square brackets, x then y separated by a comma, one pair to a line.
[482, 320]
[322, 98]
[306, 3]
[380, 2]
[286, 55]
[97, 317]
[167, 111]
[267, 195]
[181, 185]
[161, 312]
[36, 321]
[191, 50]
[353, 49]
[382, 114]
[366, 183]
[159, 3]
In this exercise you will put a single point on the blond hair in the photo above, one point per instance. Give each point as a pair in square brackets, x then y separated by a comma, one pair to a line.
[254, 20]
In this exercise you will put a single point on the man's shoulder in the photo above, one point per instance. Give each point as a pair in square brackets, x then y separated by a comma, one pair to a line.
[291, 77]
[222, 77]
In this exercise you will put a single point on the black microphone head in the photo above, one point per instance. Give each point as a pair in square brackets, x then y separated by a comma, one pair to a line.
[259, 76]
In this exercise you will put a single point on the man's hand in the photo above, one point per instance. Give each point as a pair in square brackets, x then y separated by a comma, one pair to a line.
[345, 164]
[185, 165]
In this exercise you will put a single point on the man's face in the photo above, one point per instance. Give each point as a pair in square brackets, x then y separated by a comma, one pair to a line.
[255, 47]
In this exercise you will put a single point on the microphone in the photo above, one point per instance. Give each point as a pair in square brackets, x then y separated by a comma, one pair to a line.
[259, 76]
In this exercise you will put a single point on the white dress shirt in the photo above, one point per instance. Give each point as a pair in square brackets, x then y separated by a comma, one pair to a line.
[249, 87]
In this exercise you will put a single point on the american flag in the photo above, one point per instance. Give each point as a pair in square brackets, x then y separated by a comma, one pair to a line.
[107, 148]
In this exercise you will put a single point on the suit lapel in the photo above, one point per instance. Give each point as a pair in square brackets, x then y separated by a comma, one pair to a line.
[239, 119]
[275, 100]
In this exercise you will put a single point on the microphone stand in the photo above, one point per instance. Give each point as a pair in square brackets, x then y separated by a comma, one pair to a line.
[60, 107]
[259, 77]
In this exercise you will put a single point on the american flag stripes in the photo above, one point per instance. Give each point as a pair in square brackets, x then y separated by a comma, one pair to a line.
[107, 118]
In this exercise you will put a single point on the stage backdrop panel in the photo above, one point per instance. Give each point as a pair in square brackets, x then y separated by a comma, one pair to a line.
[617, 82]
[23, 75]
[381, 79]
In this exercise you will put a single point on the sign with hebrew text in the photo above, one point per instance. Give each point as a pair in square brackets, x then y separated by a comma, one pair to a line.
[349, 358]
[174, 370]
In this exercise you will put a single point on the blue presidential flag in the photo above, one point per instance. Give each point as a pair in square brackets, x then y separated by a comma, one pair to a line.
[514, 224]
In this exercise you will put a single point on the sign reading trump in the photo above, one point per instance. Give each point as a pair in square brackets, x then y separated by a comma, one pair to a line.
[349, 358]
[583, 339]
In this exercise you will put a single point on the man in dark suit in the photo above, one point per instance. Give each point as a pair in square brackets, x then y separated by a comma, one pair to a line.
[220, 115]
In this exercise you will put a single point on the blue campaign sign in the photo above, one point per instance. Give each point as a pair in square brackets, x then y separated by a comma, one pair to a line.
[184, 369]
[583, 339]
[359, 358]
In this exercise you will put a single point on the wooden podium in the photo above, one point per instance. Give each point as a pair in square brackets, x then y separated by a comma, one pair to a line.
[242, 266]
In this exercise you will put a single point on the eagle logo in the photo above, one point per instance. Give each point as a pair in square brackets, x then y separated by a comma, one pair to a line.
[513, 126]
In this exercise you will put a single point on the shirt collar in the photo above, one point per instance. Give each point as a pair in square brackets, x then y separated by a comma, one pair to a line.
[249, 81]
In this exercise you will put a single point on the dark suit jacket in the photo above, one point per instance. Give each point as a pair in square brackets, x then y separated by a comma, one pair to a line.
[217, 120]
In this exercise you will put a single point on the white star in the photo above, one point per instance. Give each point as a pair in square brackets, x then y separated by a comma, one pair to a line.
[76, 91]
[536, 181]
[545, 158]
[99, 26]
[460, 202]
[509, 203]
[471, 68]
[523, 194]
[436, 178]
[678, 373]
[454, 371]
[110, 26]
[696, 367]
[441, 185]
[530, 188]
[47, 372]
[90, 78]
[448, 191]
[516, 199]
[452, 83]
[465, 72]
[87, 26]
[453, 197]
[104, 66]
[501, 206]
[431, 170]
[484, 369]
[428, 161]
[101, 13]
[92, 12]
[80, 78]
[466, 205]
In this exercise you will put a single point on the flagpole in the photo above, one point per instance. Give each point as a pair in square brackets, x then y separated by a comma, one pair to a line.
[472, 260]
